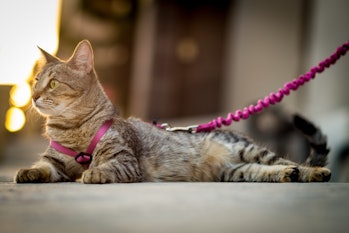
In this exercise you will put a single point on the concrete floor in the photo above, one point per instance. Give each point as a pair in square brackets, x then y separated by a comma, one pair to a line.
[174, 207]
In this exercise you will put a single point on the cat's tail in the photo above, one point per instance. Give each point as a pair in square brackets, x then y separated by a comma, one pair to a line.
[316, 139]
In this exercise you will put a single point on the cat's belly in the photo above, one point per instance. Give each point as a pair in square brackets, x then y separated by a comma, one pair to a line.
[205, 164]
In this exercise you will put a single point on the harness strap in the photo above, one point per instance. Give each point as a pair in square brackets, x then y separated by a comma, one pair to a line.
[84, 157]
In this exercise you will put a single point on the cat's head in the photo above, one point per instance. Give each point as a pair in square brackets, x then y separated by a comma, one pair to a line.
[62, 88]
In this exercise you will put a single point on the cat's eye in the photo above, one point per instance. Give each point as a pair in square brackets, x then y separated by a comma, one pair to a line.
[53, 84]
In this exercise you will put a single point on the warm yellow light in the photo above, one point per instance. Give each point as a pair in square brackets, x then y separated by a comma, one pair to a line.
[24, 25]
[15, 119]
[20, 94]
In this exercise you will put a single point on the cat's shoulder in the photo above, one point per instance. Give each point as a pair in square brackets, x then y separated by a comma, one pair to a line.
[141, 125]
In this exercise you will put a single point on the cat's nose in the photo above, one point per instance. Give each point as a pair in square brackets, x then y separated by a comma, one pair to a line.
[35, 97]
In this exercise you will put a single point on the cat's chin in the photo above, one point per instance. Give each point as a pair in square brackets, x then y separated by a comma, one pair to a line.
[60, 112]
[42, 111]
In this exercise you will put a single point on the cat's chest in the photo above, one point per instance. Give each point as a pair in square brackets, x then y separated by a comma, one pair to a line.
[75, 139]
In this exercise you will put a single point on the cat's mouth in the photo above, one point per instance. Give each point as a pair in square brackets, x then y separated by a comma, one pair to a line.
[47, 107]
[41, 107]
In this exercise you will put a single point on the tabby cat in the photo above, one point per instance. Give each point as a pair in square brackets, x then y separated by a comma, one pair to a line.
[71, 98]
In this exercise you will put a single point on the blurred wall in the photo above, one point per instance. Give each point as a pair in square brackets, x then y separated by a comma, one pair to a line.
[264, 50]
[329, 29]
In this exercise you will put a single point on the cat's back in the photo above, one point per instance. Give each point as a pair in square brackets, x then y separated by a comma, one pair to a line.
[181, 156]
[152, 137]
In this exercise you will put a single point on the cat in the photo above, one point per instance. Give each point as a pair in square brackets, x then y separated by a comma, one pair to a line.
[72, 99]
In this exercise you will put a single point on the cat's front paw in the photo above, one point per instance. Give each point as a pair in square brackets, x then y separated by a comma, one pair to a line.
[32, 175]
[95, 176]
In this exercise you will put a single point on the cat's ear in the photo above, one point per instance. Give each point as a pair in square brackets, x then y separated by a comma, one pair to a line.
[48, 57]
[82, 58]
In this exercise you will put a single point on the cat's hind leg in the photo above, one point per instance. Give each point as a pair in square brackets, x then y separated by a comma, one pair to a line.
[314, 174]
[306, 173]
[253, 172]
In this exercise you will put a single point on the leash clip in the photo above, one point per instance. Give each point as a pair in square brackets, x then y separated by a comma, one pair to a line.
[188, 129]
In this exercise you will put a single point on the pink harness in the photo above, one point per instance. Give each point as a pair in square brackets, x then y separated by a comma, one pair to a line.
[83, 157]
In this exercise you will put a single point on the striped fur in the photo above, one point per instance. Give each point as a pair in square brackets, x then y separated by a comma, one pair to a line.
[317, 140]
[75, 106]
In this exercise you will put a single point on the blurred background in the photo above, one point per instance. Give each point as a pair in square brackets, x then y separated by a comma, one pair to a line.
[183, 62]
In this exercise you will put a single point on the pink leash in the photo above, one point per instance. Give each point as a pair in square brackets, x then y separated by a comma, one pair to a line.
[84, 157]
[271, 99]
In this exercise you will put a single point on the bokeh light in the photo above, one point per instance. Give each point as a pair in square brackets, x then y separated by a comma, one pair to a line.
[38, 26]
[20, 94]
[15, 119]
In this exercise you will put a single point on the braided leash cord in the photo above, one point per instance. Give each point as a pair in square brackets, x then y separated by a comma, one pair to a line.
[274, 98]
